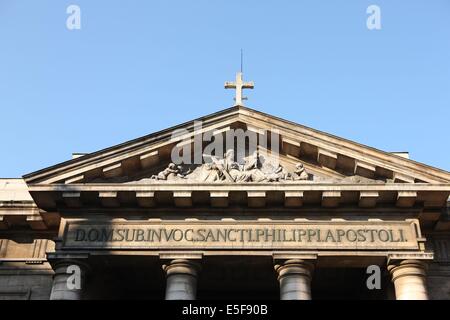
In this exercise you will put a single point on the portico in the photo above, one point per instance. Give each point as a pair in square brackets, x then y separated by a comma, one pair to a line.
[299, 224]
[184, 252]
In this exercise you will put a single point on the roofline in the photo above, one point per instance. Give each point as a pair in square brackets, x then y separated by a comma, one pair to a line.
[347, 140]
[133, 141]
[227, 111]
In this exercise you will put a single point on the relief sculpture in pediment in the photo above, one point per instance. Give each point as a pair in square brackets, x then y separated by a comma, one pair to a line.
[256, 168]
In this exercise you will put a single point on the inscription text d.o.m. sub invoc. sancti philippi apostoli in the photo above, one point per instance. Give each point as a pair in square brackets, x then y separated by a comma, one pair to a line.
[242, 235]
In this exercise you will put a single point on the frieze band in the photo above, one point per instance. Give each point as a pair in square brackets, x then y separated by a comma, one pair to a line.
[241, 235]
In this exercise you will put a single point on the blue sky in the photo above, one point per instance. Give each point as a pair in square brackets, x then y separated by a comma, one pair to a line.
[136, 67]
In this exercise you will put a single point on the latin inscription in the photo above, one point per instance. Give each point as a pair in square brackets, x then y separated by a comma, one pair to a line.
[241, 235]
[238, 235]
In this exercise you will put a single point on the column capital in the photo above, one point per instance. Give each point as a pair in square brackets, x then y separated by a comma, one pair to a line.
[182, 266]
[295, 267]
[61, 263]
[402, 268]
[294, 276]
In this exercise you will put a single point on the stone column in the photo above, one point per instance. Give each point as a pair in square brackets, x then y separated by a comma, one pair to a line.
[68, 280]
[181, 279]
[295, 279]
[409, 278]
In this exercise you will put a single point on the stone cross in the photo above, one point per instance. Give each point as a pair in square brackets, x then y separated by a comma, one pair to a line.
[239, 85]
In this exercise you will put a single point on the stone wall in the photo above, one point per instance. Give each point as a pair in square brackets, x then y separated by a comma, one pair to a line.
[24, 272]
[22, 281]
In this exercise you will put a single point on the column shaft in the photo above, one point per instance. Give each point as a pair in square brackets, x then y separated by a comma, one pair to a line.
[294, 277]
[68, 280]
[181, 283]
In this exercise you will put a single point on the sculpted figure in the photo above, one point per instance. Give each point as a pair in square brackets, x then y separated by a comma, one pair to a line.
[211, 173]
[225, 169]
[230, 167]
[171, 172]
[251, 170]
[278, 174]
[299, 172]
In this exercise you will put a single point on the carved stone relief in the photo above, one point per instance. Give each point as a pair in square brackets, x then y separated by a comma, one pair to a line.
[256, 168]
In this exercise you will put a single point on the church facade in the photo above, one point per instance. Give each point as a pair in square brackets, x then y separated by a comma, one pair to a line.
[234, 205]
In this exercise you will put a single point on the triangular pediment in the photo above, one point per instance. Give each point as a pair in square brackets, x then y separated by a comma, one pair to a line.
[324, 157]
